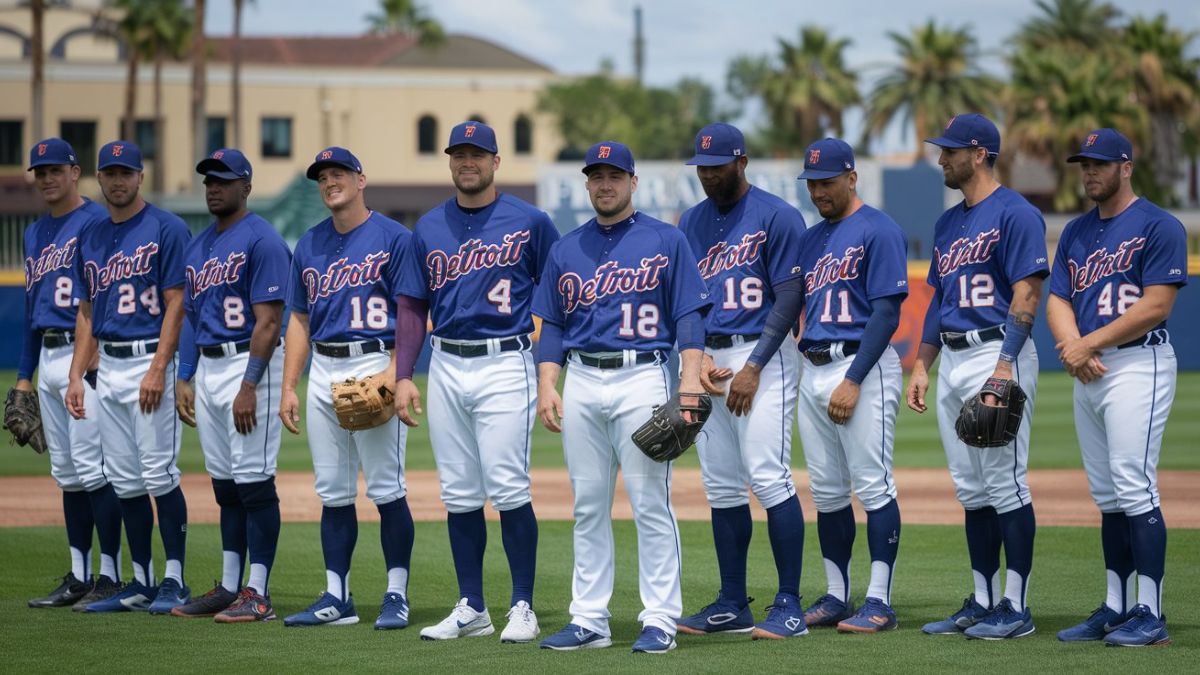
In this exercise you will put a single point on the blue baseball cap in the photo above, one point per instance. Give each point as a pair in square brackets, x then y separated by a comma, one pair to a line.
[120, 153]
[827, 158]
[1106, 145]
[717, 144]
[969, 131]
[473, 133]
[333, 156]
[52, 151]
[226, 164]
[611, 153]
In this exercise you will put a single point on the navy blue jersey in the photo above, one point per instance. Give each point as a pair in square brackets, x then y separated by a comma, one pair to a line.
[51, 278]
[979, 252]
[621, 287]
[346, 283]
[125, 267]
[846, 265]
[478, 268]
[1103, 266]
[229, 271]
[742, 255]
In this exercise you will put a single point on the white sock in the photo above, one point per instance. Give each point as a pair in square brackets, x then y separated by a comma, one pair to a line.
[79, 561]
[174, 571]
[398, 581]
[258, 578]
[881, 582]
[108, 566]
[337, 586]
[231, 570]
[838, 586]
[144, 575]
[1016, 589]
[986, 590]
[1149, 594]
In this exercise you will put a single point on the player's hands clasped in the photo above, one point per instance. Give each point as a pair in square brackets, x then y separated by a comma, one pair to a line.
[74, 399]
[245, 408]
[550, 408]
[842, 402]
[918, 384]
[151, 392]
[408, 396]
[1080, 360]
[185, 402]
[289, 410]
[742, 390]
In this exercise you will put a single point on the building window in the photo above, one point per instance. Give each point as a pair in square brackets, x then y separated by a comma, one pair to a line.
[276, 137]
[427, 135]
[523, 133]
[146, 139]
[215, 134]
[82, 137]
[10, 143]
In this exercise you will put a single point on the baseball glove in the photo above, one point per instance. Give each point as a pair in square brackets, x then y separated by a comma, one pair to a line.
[23, 417]
[667, 434]
[986, 425]
[366, 402]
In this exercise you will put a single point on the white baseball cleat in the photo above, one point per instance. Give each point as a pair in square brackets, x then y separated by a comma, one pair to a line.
[462, 622]
[522, 624]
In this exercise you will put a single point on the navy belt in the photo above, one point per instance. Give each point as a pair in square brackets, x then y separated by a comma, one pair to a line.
[822, 355]
[477, 349]
[958, 341]
[1152, 339]
[126, 351]
[345, 351]
[727, 341]
[53, 339]
[618, 360]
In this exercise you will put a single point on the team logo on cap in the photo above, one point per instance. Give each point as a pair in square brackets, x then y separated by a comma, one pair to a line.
[218, 154]
[117, 150]
[814, 156]
[469, 132]
[705, 142]
[1091, 140]
[326, 154]
[604, 152]
[41, 149]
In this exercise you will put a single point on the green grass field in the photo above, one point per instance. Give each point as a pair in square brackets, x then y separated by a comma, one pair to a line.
[930, 582]
[917, 444]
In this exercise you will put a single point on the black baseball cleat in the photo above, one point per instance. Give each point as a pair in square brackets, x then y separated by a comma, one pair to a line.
[103, 589]
[68, 593]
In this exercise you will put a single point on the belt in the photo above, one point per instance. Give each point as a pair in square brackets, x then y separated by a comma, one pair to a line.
[343, 350]
[618, 360]
[125, 350]
[477, 348]
[957, 341]
[822, 355]
[53, 339]
[1152, 339]
[225, 349]
[727, 341]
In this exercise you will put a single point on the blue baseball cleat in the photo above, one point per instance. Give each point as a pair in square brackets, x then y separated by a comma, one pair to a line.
[328, 610]
[393, 613]
[873, 617]
[653, 641]
[828, 610]
[171, 594]
[785, 619]
[135, 597]
[721, 616]
[1143, 629]
[573, 637]
[1102, 622]
[971, 613]
[1002, 623]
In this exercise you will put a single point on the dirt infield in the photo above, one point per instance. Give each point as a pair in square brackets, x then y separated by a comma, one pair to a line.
[926, 497]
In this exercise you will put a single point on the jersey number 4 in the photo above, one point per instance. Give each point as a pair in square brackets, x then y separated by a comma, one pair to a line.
[643, 323]
[501, 296]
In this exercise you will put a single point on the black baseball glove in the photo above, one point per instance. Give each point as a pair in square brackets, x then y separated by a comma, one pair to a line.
[23, 417]
[669, 433]
[987, 425]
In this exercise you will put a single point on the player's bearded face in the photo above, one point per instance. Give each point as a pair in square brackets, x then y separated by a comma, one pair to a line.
[55, 181]
[120, 185]
[720, 183]
[958, 166]
[610, 189]
[1101, 180]
[831, 196]
[472, 169]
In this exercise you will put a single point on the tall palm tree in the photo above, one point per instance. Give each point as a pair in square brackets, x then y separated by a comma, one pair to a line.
[37, 80]
[1166, 81]
[199, 53]
[408, 18]
[938, 77]
[1084, 23]
[172, 30]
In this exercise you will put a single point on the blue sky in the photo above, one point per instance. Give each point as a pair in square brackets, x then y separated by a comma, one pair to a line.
[694, 38]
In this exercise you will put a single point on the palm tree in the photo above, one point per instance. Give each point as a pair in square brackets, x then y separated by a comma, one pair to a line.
[37, 80]
[407, 18]
[937, 78]
[1167, 83]
[1054, 100]
[172, 26]
[199, 90]
[1084, 23]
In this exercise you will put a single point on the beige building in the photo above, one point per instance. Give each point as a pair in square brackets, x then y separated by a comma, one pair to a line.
[389, 100]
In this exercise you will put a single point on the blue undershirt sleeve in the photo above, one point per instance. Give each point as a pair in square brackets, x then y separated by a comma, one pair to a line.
[789, 300]
[689, 331]
[550, 344]
[885, 318]
[931, 334]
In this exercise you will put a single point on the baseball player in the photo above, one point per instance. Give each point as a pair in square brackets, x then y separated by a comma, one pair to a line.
[1116, 274]
[855, 277]
[343, 284]
[616, 294]
[76, 463]
[747, 242]
[131, 310]
[237, 275]
[989, 259]
[476, 260]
